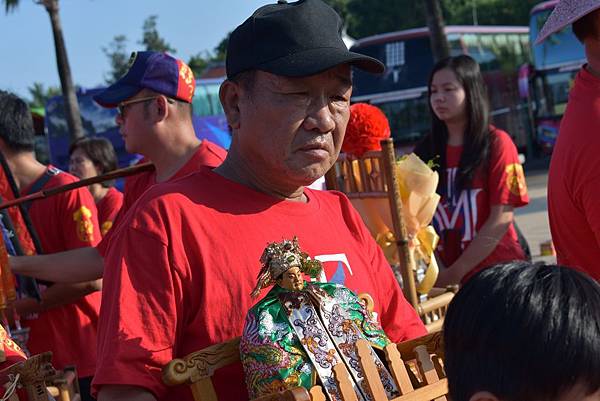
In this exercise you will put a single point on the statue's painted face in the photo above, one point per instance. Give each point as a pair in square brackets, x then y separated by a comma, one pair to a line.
[292, 279]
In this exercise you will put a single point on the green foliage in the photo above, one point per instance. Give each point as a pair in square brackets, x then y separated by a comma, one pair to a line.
[40, 94]
[201, 60]
[118, 58]
[151, 39]
[489, 12]
[10, 5]
[366, 18]
[220, 51]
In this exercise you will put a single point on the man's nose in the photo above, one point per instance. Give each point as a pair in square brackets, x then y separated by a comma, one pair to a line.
[320, 118]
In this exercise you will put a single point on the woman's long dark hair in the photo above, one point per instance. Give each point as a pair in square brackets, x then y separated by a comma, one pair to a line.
[477, 138]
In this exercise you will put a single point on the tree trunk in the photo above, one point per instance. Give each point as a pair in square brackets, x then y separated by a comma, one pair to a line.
[64, 71]
[435, 22]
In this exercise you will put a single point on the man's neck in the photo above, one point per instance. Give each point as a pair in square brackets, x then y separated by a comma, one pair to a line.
[236, 169]
[25, 168]
[171, 158]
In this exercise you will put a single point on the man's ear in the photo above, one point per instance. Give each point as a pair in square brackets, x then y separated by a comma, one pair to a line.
[230, 95]
[162, 108]
[483, 396]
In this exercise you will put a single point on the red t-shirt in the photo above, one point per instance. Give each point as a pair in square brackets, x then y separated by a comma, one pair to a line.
[66, 221]
[574, 179]
[179, 275]
[108, 208]
[207, 154]
[460, 215]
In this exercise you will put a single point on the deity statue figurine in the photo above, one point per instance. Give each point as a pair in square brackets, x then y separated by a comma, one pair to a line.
[300, 330]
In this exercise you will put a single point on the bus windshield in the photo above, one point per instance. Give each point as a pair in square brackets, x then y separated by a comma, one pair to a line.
[559, 49]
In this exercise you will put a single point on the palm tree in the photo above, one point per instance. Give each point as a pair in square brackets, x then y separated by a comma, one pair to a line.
[435, 21]
[64, 70]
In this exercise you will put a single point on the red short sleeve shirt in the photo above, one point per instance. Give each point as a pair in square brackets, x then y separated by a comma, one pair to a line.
[574, 181]
[207, 155]
[179, 275]
[108, 208]
[460, 214]
[66, 221]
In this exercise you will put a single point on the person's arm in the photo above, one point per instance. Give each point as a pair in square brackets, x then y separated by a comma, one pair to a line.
[484, 243]
[124, 393]
[73, 266]
[57, 295]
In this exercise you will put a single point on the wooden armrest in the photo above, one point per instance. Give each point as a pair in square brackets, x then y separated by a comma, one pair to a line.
[434, 343]
[201, 364]
[435, 303]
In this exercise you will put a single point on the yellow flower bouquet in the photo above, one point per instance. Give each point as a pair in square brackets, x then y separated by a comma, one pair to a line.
[418, 183]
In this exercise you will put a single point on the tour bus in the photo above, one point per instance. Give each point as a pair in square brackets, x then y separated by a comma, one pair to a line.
[401, 92]
[547, 80]
[208, 119]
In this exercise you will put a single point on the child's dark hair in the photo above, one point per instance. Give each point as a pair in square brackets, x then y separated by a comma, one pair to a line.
[16, 123]
[524, 331]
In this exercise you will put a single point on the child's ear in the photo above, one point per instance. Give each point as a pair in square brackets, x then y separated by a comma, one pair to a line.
[483, 396]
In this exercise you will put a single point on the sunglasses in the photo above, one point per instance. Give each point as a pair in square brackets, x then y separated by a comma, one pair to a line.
[121, 107]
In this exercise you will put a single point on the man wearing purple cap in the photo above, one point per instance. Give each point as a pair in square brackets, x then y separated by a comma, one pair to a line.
[180, 271]
[155, 118]
[573, 179]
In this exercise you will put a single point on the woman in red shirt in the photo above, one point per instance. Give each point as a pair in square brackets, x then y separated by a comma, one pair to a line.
[481, 179]
[92, 156]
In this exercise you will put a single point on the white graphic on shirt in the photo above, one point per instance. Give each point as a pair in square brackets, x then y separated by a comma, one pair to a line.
[457, 211]
[339, 274]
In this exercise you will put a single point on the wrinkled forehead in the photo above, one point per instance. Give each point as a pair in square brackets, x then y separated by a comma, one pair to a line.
[338, 75]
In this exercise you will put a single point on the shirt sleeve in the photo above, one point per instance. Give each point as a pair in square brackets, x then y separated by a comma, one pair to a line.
[506, 179]
[141, 308]
[80, 219]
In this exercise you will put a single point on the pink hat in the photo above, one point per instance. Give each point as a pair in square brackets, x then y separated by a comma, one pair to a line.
[566, 12]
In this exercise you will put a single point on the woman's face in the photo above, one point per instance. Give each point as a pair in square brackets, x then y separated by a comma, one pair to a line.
[448, 98]
[81, 166]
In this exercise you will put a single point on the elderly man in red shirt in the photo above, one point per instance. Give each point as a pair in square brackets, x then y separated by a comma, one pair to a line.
[180, 270]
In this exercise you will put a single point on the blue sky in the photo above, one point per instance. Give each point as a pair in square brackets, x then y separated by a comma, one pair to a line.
[27, 46]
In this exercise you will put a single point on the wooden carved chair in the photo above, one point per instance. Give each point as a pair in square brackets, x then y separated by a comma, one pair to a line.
[416, 365]
[32, 375]
[197, 369]
[64, 386]
[424, 380]
[373, 188]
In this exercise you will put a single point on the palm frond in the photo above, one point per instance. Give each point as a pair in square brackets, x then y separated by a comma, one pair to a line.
[10, 5]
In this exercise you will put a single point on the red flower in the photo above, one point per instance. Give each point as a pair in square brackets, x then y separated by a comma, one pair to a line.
[366, 128]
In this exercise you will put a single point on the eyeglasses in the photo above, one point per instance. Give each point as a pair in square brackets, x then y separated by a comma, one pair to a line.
[121, 107]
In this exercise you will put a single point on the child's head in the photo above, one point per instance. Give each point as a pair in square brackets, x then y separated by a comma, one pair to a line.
[524, 331]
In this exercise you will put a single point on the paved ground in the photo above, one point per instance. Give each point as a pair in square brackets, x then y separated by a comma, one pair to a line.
[533, 218]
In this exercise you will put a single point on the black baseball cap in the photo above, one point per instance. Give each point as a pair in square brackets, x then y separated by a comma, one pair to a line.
[293, 39]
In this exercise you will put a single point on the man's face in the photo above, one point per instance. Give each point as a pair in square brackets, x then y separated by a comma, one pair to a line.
[133, 123]
[291, 129]
[291, 279]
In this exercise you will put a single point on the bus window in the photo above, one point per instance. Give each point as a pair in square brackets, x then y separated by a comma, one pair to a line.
[206, 99]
